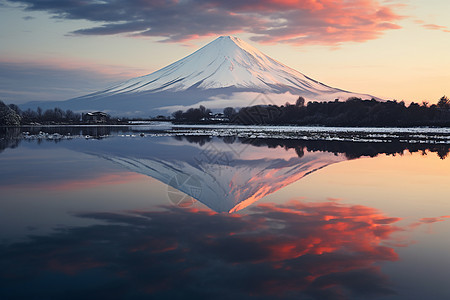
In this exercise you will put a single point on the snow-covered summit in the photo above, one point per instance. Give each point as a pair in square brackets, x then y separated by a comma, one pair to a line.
[225, 62]
[226, 72]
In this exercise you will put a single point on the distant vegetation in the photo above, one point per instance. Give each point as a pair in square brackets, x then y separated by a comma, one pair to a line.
[353, 112]
[12, 115]
[193, 114]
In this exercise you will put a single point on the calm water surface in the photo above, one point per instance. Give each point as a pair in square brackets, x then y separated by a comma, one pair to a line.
[130, 213]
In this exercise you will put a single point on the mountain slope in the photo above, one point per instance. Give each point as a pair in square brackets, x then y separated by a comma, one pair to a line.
[225, 72]
[225, 62]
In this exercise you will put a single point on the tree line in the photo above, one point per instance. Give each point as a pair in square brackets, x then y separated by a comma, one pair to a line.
[192, 114]
[12, 115]
[353, 112]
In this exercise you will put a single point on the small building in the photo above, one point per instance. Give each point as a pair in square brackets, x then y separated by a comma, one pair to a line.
[97, 117]
[215, 118]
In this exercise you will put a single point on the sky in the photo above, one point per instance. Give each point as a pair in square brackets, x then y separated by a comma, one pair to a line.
[60, 49]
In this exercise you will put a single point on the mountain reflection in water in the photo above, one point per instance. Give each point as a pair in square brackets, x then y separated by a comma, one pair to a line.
[230, 174]
[226, 174]
[224, 177]
[290, 249]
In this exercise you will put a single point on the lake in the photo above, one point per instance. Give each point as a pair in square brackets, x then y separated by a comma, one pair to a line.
[214, 212]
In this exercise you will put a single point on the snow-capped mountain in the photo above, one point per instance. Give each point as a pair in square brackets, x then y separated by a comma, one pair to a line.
[225, 72]
[225, 62]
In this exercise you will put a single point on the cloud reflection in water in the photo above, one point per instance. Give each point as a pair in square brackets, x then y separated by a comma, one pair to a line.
[323, 250]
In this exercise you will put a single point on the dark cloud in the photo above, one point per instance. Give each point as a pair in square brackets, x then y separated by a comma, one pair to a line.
[25, 81]
[296, 22]
[299, 250]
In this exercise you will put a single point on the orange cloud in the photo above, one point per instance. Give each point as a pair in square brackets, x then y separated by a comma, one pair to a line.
[320, 22]
[296, 22]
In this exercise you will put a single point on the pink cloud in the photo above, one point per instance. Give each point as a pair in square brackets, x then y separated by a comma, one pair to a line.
[298, 22]
[331, 23]
[430, 221]
[436, 27]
